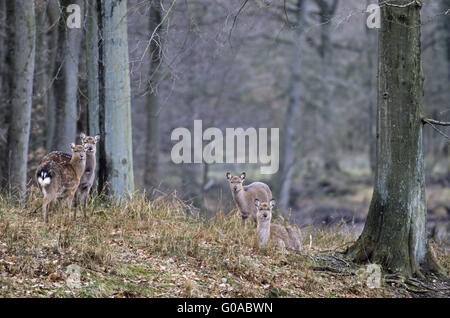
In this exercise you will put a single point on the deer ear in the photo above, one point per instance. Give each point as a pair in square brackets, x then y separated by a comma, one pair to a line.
[272, 203]
[243, 175]
[257, 202]
[72, 145]
[97, 138]
[228, 175]
[82, 136]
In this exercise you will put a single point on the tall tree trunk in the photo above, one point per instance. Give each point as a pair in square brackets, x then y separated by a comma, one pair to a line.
[152, 147]
[53, 14]
[327, 11]
[5, 46]
[19, 131]
[40, 80]
[117, 113]
[370, 52]
[292, 113]
[66, 83]
[395, 233]
[92, 65]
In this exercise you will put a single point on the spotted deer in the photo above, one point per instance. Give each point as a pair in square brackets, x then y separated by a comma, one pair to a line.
[87, 180]
[58, 178]
[284, 236]
[244, 196]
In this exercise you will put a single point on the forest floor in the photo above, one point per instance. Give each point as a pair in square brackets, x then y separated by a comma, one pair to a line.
[160, 248]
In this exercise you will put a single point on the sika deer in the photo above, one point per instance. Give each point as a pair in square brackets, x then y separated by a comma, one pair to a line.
[60, 179]
[244, 196]
[87, 180]
[284, 236]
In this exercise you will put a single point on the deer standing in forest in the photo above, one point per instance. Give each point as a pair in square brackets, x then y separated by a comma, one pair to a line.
[59, 178]
[284, 236]
[87, 180]
[244, 196]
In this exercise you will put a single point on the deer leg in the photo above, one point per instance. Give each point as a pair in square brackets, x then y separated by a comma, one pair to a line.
[44, 209]
[84, 196]
[69, 206]
[244, 221]
[76, 198]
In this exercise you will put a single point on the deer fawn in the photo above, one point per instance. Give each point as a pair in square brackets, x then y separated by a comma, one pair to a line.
[87, 180]
[58, 178]
[284, 236]
[245, 196]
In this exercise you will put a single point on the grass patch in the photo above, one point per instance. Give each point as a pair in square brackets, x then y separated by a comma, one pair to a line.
[162, 248]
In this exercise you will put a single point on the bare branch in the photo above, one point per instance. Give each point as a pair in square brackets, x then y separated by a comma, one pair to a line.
[435, 122]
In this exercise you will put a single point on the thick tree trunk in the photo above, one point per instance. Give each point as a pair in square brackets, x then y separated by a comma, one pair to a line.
[19, 131]
[117, 112]
[66, 83]
[395, 233]
[152, 147]
[292, 113]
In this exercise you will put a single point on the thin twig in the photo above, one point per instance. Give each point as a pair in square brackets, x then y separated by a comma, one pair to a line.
[235, 19]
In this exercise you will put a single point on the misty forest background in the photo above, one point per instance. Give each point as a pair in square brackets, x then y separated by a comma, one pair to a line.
[307, 67]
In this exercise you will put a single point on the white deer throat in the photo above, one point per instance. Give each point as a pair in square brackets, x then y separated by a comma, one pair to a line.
[263, 232]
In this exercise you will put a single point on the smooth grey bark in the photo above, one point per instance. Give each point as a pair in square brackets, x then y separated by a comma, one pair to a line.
[4, 92]
[92, 57]
[22, 91]
[40, 80]
[371, 56]
[153, 110]
[66, 81]
[50, 112]
[292, 113]
[92, 66]
[394, 234]
[327, 11]
[117, 104]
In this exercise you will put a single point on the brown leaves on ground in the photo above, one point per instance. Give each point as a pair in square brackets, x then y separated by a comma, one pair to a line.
[159, 249]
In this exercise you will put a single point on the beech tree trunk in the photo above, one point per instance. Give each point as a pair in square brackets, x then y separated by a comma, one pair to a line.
[292, 113]
[117, 103]
[5, 46]
[22, 91]
[66, 83]
[395, 233]
[329, 142]
[371, 57]
[92, 57]
[152, 147]
[53, 15]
